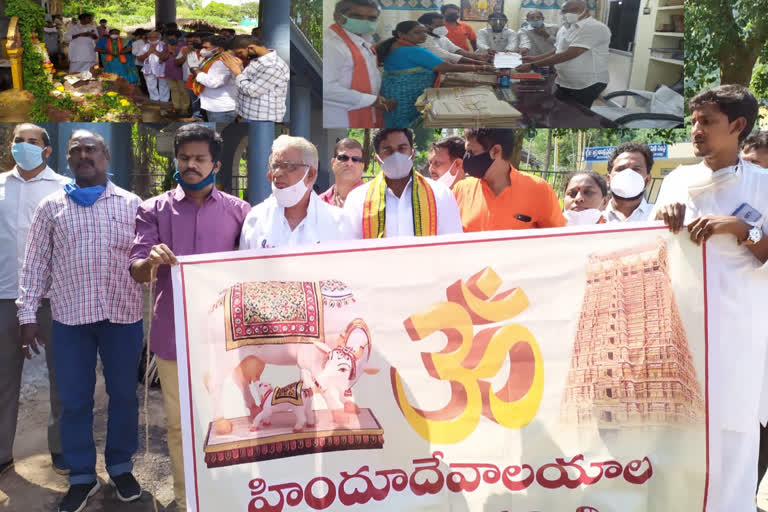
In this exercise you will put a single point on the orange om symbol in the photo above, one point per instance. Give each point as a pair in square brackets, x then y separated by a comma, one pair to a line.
[469, 359]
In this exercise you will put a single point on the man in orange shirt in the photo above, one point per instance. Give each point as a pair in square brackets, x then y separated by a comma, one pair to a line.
[458, 33]
[495, 195]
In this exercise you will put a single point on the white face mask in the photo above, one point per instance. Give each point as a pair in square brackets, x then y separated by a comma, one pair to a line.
[583, 217]
[289, 196]
[447, 178]
[627, 184]
[396, 166]
[440, 31]
[571, 17]
[113, 36]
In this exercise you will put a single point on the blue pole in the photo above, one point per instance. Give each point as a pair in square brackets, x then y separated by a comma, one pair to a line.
[260, 137]
[301, 107]
[276, 30]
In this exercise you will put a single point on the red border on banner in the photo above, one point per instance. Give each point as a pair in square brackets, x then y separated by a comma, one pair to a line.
[437, 244]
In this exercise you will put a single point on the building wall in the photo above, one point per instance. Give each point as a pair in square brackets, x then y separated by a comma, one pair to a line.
[631, 364]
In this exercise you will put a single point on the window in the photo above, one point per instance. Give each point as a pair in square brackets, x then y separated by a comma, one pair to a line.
[609, 372]
[609, 393]
[610, 356]
[622, 20]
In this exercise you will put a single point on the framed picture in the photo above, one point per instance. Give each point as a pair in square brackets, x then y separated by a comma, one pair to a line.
[478, 10]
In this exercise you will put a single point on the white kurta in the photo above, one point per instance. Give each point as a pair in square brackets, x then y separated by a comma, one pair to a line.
[220, 93]
[640, 214]
[399, 211]
[504, 41]
[536, 43]
[338, 96]
[591, 67]
[82, 51]
[265, 225]
[737, 285]
[443, 48]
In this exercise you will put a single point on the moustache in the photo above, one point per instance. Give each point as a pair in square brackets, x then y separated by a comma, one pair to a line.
[84, 162]
[190, 171]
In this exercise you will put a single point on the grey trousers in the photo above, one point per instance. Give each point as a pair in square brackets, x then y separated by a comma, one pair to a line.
[11, 365]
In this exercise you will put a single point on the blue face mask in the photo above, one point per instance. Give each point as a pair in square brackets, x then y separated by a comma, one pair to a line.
[84, 196]
[536, 24]
[360, 26]
[210, 179]
[27, 156]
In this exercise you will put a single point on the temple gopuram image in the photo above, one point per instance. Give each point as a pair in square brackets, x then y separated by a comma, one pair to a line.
[631, 365]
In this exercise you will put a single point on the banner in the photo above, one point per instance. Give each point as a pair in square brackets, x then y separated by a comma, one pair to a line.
[547, 370]
[603, 153]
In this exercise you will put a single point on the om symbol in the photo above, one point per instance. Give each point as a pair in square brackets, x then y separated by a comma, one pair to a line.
[469, 359]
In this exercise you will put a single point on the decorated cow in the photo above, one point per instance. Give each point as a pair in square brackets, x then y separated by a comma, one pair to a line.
[293, 398]
[312, 325]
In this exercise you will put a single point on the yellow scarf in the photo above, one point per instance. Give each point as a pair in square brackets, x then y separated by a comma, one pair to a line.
[423, 202]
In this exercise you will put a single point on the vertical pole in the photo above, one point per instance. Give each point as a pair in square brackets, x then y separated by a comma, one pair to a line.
[260, 137]
[165, 11]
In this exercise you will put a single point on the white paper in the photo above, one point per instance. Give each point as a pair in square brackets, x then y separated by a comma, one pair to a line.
[507, 60]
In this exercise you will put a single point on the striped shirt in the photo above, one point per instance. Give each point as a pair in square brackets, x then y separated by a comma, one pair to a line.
[79, 257]
[262, 88]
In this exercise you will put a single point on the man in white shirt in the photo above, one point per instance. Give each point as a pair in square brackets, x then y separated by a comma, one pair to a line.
[723, 201]
[443, 47]
[446, 157]
[384, 207]
[496, 37]
[21, 190]
[190, 56]
[629, 174]
[293, 215]
[82, 44]
[215, 83]
[580, 55]
[536, 36]
[755, 149]
[153, 57]
[351, 80]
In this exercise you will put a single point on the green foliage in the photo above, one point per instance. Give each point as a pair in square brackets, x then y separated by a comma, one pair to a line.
[723, 42]
[308, 16]
[31, 19]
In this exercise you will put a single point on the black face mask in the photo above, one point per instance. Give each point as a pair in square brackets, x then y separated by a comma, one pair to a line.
[197, 46]
[452, 17]
[497, 27]
[477, 165]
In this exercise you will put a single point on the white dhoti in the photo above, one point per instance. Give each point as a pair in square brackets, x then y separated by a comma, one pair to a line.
[76, 66]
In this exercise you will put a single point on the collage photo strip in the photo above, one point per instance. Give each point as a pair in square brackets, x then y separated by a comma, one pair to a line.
[383, 255]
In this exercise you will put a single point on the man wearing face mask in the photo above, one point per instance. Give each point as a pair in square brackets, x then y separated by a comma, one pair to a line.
[496, 37]
[174, 72]
[77, 251]
[495, 195]
[445, 161]
[723, 201]
[293, 215]
[190, 56]
[580, 56]
[193, 218]
[21, 190]
[347, 166]
[441, 46]
[352, 80]
[460, 34]
[215, 83]
[153, 58]
[629, 174]
[82, 39]
[399, 201]
[263, 85]
[536, 36]
[755, 149]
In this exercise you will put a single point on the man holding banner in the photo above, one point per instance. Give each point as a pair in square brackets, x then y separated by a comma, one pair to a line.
[724, 201]
[399, 201]
[193, 218]
[629, 172]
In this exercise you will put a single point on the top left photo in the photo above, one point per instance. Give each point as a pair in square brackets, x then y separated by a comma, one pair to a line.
[151, 61]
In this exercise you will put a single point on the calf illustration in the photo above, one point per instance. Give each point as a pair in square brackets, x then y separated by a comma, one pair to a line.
[313, 325]
[291, 398]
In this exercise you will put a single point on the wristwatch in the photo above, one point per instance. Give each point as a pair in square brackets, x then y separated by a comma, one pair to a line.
[753, 236]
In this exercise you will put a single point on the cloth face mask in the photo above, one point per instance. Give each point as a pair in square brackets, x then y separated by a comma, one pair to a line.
[582, 217]
[440, 31]
[84, 196]
[396, 166]
[289, 196]
[477, 165]
[627, 184]
[208, 180]
[360, 26]
[447, 178]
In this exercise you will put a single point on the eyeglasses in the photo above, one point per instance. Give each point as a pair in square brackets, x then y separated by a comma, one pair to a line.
[286, 166]
[346, 158]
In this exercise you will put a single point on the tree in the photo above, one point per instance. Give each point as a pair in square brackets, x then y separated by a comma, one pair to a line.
[308, 16]
[726, 41]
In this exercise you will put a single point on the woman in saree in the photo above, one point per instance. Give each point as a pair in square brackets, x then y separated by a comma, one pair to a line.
[117, 56]
[409, 69]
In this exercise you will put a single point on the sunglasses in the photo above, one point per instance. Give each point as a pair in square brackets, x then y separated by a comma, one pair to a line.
[344, 158]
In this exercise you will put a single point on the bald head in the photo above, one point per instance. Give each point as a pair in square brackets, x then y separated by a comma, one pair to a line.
[88, 157]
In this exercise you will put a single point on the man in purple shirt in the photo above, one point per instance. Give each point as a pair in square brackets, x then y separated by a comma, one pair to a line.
[193, 218]
[174, 73]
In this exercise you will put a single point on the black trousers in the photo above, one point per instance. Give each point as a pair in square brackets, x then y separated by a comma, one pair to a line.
[583, 96]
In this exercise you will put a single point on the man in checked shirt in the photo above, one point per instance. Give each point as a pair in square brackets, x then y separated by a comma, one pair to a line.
[77, 254]
[262, 86]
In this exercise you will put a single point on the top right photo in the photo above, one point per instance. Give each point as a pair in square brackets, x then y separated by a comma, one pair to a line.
[503, 63]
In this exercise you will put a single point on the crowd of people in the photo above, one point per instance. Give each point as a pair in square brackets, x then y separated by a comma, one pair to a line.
[55, 226]
[370, 85]
[216, 77]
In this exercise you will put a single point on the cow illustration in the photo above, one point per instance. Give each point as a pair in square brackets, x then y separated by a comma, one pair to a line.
[293, 398]
[313, 325]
